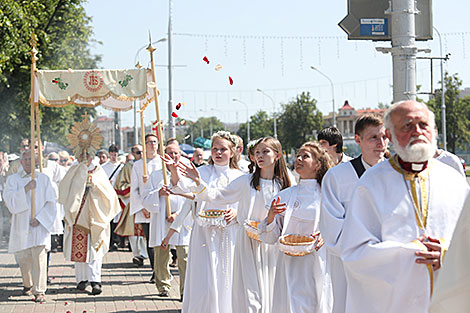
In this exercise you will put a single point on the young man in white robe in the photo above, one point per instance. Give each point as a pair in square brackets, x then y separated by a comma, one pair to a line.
[90, 204]
[337, 190]
[137, 208]
[400, 219]
[155, 201]
[30, 236]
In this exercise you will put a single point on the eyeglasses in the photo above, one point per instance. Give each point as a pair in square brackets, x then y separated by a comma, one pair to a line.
[55, 160]
[138, 152]
[152, 142]
[63, 160]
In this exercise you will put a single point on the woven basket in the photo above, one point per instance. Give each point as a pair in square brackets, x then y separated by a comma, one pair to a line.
[251, 229]
[212, 217]
[296, 245]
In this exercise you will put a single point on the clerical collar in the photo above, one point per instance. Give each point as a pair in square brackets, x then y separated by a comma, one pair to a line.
[413, 167]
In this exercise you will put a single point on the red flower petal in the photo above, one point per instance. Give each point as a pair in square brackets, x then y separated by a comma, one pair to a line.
[230, 80]
[205, 59]
[174, 115]
[178, 106]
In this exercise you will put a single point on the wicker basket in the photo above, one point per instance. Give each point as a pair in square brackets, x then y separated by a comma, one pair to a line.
[212, 217]
[251, 228]
[297, 245]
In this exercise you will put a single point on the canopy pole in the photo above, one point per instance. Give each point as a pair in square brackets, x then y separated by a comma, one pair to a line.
[151, 49]
[144, 149]
[38, 133]
[33, 53]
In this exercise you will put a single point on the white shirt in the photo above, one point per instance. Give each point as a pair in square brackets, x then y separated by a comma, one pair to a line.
[159, 226]
[138, 186]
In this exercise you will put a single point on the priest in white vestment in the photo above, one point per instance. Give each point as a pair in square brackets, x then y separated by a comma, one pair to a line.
[337, 190]
[30, 236]
[90, 204]
[400, 219]
[452, 291]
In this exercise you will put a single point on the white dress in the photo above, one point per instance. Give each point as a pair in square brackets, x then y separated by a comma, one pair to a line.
[301, 284]
[208, 284]
[254, 263]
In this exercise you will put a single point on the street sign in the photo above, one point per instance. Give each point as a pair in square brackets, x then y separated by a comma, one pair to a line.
[374, 27]
[369, 20]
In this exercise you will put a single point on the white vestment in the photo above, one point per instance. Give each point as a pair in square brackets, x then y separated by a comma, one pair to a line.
[337, 189]
[138, 187]
[380, 231]
[113, 169]
[301, 283]
[23, 235]
[156, 205]
[208, 284]
[100, 206]
[56, 173]
[452, 291]
[254, 264]
[452, 160]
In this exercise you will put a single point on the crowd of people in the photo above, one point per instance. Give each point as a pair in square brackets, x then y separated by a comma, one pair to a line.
[340, 234]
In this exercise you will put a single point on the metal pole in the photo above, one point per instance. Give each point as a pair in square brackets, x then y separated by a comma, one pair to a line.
[332, 92]
[247, 120]
[171, 120]
[443, 97]
[274, 111]
[404, 49]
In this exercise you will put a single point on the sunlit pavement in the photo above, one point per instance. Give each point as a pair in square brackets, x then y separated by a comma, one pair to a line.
[125, 288]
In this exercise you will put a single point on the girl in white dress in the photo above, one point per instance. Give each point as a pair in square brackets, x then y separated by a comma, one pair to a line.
[301, 284]
[254, 264]
[208, 283]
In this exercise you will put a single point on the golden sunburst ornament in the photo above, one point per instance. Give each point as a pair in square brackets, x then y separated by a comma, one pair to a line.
[85, 137]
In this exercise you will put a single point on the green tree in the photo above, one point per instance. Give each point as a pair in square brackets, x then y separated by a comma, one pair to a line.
[300, 117]
[457, 113]
[209, 126]
[63, 33]
[261, 125]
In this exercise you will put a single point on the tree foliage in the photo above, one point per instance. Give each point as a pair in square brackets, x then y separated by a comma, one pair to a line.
[300, 117]
[261, 125]
[63, 33]
[209, 125]
[457, 113]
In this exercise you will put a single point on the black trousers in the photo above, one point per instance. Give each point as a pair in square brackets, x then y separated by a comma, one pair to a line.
[146, 227]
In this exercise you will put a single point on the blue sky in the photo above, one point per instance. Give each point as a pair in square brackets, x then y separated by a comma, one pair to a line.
[263, 44]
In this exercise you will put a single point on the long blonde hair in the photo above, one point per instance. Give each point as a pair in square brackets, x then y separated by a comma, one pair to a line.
[222, 134]
[321, 155]
[280, 169]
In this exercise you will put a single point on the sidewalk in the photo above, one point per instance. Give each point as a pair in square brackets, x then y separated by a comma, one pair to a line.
[125, 288]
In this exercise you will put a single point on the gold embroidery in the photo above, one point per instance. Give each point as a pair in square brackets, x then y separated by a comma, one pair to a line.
[421, 212]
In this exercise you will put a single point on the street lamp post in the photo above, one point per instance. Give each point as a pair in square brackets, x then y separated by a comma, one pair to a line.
[443, 97]
[274, 111]
[332, 92]
[247, 120]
